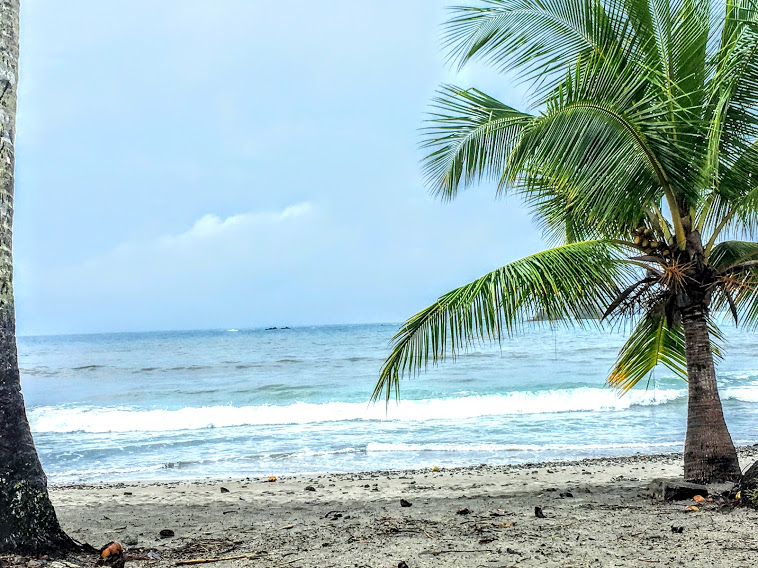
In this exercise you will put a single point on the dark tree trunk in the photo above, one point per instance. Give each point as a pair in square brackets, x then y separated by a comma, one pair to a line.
[27, 519]
[709, 454]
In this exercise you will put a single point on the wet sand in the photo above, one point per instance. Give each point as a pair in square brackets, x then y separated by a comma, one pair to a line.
[598, 514]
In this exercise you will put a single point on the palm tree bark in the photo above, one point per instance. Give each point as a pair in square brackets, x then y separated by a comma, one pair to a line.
[709, 453]
[28, 523]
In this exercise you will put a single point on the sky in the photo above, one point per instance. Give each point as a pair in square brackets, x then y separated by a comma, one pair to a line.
[185, 164]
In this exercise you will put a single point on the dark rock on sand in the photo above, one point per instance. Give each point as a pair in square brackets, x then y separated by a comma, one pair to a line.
[749, 486]
[404, 503]
[675, 490]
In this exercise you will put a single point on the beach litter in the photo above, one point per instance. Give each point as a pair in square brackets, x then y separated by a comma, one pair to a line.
[112, 554]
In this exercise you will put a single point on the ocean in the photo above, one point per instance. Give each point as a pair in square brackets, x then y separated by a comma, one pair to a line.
[228, 403]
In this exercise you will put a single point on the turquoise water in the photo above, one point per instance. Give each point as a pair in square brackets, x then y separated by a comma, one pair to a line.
[170, 405]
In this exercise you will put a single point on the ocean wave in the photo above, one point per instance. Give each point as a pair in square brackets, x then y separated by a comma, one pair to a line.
[124, 419]
[742, 394]
[389, 447]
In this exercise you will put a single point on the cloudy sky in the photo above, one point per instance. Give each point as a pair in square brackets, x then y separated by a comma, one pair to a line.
[185, 164]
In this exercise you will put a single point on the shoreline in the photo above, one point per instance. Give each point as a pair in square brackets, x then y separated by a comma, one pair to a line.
[597, 514]
[749, 452]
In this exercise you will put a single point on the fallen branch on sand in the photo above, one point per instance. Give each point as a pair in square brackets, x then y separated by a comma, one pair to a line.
[218, 559]
[438, 552]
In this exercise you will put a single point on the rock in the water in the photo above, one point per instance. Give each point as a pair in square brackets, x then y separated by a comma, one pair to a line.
[675, 490]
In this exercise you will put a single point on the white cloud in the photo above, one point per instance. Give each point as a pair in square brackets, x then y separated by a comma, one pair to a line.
[210, 225]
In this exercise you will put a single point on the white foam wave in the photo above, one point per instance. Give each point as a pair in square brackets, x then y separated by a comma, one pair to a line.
[743, 394]
[122, 419]
[388, 447]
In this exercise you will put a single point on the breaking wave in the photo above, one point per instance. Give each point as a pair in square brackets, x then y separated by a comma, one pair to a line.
[125, 419]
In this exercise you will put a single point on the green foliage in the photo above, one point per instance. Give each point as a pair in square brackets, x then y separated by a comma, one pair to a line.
[646, 124]
[566, 284]
[653, 341]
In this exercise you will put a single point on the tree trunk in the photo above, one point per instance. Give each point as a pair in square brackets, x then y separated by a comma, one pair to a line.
[709, 454]
[27, 519]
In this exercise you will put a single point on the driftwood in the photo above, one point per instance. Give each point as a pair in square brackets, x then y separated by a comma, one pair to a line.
[218, 559]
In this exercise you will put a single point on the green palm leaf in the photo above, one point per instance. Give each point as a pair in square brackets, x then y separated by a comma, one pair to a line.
[654, 342]
[731, 253]
[538, 37]
[566, 284]
[651, 342]
[737, 262]
[471, 136]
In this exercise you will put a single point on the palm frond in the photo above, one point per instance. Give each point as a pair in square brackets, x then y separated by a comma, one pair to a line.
[655, 340]
[565, 284]
[651, 342]
[737, 286]
[734, 203]
[732, 106]
[539, 38]
[727, 254]
[592, 155]
[471, 136]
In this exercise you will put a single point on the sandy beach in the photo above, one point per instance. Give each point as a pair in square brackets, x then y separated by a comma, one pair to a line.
[597, 514]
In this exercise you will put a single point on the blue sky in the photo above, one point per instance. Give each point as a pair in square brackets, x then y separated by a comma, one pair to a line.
[184, 164]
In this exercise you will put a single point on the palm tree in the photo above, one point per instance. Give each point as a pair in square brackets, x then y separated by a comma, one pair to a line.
[27, 519]
[640, 163]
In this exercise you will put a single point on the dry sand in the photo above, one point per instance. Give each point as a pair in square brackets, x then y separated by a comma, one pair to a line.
[477, 516]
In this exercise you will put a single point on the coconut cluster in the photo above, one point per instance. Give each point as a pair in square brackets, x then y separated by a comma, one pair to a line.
[645, 237]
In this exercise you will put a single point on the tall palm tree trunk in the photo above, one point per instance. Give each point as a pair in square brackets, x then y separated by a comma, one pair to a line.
[27, 518]
[709, 453]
